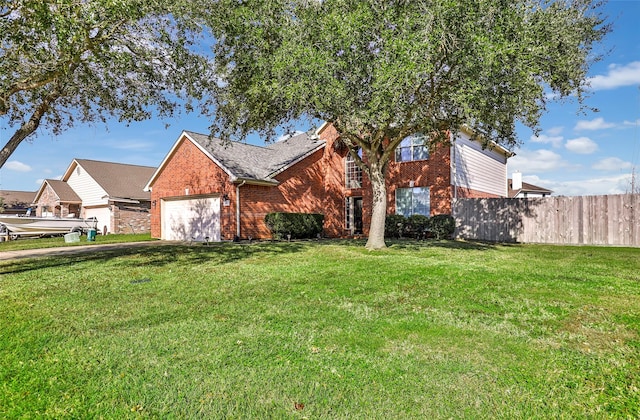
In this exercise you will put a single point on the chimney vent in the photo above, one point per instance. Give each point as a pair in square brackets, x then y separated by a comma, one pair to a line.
[516, 181]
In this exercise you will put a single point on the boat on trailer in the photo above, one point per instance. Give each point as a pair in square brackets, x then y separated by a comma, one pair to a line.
[17, 226]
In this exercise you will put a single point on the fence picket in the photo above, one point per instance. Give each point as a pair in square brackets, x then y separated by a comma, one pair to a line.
[586, 220]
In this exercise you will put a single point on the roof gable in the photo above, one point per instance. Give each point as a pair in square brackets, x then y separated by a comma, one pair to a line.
[61, 189]
[118, 180]
[242, 161]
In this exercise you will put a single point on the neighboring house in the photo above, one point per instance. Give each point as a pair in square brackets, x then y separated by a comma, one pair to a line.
[56, 198]
[16, 202]
[207, 190]
[519, 189]
[111, 192]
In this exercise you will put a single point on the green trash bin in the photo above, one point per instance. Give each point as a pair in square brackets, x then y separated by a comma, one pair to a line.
[91, 235]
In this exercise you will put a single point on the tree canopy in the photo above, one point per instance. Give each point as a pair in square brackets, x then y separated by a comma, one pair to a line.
[381, 70]
[64, 62]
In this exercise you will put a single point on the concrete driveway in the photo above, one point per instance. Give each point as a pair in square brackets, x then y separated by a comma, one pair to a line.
[78, 249]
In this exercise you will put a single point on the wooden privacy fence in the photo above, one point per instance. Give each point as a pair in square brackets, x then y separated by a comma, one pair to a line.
[588, 220]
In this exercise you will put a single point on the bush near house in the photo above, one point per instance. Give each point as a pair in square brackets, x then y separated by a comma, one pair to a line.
[418, 226]
[442, 226]
[298, 225]
[394, 225]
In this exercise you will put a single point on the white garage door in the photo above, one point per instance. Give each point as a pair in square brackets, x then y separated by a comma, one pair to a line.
[103, 214]
[193, 219]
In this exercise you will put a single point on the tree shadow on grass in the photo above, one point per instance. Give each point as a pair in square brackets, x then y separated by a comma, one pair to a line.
[157, 256]
[447, 244]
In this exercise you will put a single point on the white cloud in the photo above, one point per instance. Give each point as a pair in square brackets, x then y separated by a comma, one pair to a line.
[581, 145]
[617, 76]
[619, 184]
[14, 165]
[595, 124]
[555, 131]
[555, 141]
[39, 181]
[611, 164]
[533, 161]
[130, 145]
[632, 123]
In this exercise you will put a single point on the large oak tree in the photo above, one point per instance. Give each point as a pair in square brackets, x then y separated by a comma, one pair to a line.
[382, 70]
[64, 62]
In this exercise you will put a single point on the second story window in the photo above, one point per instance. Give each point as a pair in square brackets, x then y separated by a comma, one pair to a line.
[412, 148]
[353, 173]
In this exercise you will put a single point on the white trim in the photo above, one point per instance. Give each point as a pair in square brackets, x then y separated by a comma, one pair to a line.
[74, 163]
[492, 145]
[322, 127]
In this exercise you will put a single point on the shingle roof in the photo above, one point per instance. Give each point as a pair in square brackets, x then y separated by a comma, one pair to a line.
[119, 180]
[64, 191]
[526, 188]
[247, 161]
[17, 199]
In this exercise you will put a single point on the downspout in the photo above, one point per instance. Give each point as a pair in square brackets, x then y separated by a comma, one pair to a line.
[238, 207]
[454, 174]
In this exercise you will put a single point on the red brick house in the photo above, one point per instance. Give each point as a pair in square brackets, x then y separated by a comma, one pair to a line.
[206, 190]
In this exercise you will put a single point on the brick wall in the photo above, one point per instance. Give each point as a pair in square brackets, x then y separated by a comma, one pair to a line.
[128, 218]
[300, 191]
[48, 200]
[434, 173]
[462, 192]
[333, 201]
[191, 169]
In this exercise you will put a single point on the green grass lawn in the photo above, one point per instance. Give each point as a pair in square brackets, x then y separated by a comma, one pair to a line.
[323, 330]
[58, 241]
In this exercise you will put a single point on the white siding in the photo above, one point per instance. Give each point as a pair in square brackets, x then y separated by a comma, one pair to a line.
[477, 169]
[89, 191]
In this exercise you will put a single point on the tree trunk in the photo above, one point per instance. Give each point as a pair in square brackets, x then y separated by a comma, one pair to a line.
[379, 207]
[15, 140]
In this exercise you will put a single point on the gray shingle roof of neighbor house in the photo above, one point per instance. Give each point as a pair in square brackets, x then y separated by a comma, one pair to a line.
[261, 163]
[527, 188]
[17, 199]
[64, 192]
[119, 180]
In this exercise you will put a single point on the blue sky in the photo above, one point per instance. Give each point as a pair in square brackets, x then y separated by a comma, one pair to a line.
[575, 154]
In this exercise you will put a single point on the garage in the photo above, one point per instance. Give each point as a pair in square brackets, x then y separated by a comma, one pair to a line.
[191, 219]
[103, 215]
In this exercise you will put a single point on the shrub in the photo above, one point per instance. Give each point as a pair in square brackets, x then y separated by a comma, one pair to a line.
[442, 226]
[394, 225]
[416, 226]
[298, 225]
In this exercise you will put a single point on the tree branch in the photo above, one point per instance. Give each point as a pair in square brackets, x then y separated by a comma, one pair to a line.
[28, 127]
